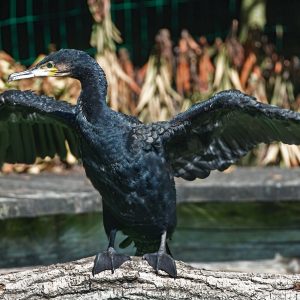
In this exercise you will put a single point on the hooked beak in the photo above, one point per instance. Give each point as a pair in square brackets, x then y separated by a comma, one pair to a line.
[35, 72]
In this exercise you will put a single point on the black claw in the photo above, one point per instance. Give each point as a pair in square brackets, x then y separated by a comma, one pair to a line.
[108, 260]
[161, 261]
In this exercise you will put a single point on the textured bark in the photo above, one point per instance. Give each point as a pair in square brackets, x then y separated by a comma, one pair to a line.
[136, 280]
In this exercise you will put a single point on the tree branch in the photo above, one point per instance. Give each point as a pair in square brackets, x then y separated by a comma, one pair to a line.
[137, 280]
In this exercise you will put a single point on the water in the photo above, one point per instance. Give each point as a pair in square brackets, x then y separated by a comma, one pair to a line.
[205, 233]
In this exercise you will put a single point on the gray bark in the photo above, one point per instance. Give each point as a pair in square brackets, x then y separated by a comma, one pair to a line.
[136, 280]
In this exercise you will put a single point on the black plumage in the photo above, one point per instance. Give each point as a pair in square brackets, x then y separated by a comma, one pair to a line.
[27, 132]
[133, 164]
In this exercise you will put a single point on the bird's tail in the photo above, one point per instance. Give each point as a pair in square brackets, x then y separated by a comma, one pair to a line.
[142, 246]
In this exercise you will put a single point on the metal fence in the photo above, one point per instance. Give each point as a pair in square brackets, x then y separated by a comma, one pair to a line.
[28, 27]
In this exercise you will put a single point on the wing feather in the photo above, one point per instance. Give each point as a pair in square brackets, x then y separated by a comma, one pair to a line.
[213, 134]
[34, 126]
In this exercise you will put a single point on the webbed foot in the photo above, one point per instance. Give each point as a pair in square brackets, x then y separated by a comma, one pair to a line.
[108, 260]
[161, 261]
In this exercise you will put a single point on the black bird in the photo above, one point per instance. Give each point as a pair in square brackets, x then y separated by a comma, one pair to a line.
[132, 164]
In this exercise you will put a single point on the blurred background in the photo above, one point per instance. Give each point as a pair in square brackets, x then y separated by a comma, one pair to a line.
[67, 24]
[160, 57]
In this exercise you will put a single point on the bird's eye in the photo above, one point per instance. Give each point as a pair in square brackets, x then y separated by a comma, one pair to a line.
[49, 65]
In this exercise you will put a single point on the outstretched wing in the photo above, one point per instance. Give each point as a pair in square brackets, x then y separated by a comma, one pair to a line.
[34, 126]
[215, 133]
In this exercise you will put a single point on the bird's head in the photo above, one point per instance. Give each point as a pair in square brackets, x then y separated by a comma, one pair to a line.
[65, 62]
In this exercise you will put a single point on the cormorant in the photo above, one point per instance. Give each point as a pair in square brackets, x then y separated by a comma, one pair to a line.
[132, 164]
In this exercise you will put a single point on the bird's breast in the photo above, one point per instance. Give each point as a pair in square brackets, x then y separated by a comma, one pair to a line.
[136, 186]
[130, 173]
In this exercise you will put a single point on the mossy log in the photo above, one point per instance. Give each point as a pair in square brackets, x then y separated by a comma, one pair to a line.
[137, 280]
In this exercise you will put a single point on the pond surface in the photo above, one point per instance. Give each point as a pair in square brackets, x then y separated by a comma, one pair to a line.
[206, 232]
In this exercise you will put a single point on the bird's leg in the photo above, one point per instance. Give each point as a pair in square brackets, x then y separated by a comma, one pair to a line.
[160, 260]
[109, 259]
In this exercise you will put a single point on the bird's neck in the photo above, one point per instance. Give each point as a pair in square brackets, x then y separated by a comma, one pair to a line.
[92, 99]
